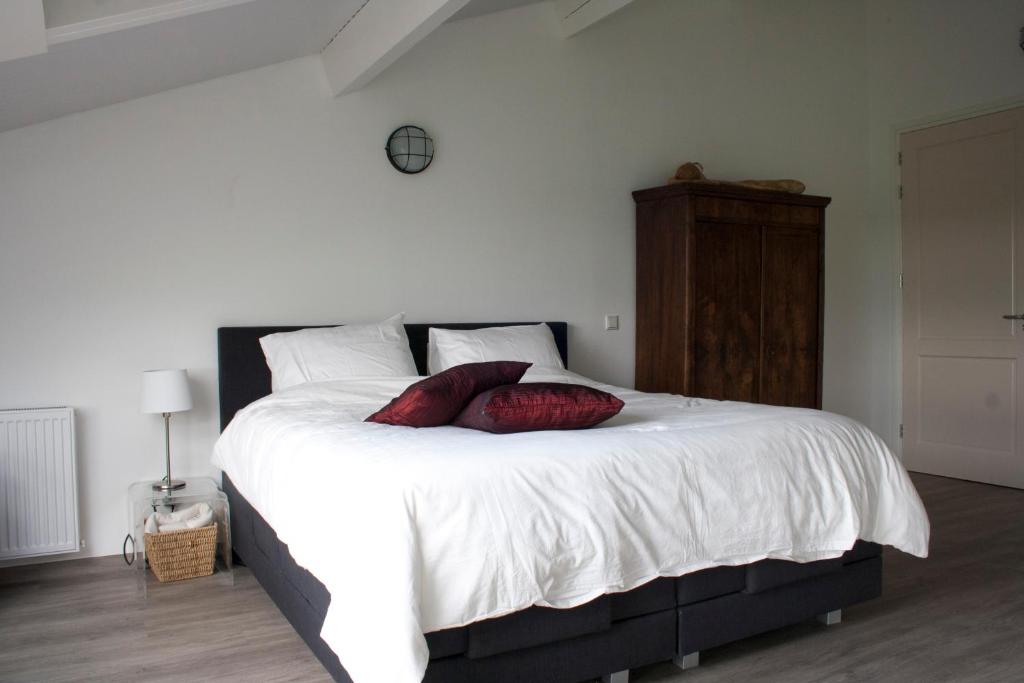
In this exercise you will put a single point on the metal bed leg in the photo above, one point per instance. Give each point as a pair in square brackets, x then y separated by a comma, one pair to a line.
[831, 618]
[617, 677]
[690, 661]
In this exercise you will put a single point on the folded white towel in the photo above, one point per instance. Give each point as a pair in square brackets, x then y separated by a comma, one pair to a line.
[204, 517]
[192, 517]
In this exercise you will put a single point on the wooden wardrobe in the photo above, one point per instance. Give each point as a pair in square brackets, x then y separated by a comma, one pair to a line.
[729, 293]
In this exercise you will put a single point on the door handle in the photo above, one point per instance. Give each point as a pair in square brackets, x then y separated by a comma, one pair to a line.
[1018, 316]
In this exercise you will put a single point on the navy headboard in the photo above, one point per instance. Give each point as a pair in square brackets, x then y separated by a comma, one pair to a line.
[245, 377]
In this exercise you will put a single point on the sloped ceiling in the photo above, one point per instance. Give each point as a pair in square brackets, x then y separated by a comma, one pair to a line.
[119, 65]
[100, 70]
[479, 7]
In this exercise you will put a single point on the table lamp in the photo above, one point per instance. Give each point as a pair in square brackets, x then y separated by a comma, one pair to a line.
[166, 392]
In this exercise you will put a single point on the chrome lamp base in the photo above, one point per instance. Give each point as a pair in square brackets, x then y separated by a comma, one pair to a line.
[168, 483]
[165, 485]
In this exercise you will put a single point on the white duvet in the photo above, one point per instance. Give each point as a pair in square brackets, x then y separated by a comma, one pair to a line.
[416, 530]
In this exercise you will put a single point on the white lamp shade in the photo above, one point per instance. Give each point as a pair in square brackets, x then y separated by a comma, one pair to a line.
[165, 391]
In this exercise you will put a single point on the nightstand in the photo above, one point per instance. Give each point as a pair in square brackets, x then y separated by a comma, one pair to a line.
[143, 500]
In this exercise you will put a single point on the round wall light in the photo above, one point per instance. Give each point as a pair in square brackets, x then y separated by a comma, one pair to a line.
[410, 149]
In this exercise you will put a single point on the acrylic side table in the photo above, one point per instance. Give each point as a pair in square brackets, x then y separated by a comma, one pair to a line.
[143, 501]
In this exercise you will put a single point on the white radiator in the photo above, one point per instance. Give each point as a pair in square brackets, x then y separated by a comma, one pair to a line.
[38, 488]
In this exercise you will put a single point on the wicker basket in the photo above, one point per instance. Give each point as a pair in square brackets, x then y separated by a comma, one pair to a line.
[180, 555]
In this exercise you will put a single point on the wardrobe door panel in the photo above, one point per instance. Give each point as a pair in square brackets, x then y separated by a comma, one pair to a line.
[727, 307]
[661, 296]
[790, 352]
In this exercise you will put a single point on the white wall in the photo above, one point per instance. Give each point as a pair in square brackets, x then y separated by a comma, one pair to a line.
[928, 60]
[130, 233]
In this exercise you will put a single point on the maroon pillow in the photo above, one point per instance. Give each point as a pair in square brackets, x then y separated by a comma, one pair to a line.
[532, 406]
[436, 400]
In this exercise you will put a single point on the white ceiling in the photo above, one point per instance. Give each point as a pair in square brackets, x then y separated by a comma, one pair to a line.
[120, 65]
[477, 7]
[93, 72]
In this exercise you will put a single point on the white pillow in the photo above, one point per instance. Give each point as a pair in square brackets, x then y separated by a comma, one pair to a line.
[326, 353]
[530, 343]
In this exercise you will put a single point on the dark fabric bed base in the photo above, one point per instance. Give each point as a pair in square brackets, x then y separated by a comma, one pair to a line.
[740, 615]
[655, 622]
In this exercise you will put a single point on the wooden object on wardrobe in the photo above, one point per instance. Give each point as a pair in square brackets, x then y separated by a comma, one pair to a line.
[729, 293]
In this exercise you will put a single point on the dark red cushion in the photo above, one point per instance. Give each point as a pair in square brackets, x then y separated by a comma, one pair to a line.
[532, 406]
[438, 399]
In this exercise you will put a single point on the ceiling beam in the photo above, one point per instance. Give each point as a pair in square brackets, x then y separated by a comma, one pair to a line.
[576, 15]
[22, 29]
[379, 33]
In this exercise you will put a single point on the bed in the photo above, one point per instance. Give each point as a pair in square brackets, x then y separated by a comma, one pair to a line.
[670, 614]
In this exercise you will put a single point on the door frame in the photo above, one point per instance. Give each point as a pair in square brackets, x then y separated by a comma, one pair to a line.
[895, 214]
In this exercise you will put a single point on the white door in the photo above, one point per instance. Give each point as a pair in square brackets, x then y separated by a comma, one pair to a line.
[963, 265]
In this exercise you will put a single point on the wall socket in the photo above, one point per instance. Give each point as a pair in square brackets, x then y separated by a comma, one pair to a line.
[611, 322]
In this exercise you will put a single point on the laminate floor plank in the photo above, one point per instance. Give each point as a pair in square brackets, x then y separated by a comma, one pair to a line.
[957, 616]
[85, 620]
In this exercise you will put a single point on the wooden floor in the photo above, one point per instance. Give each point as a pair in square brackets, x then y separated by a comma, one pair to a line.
[957, 616]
